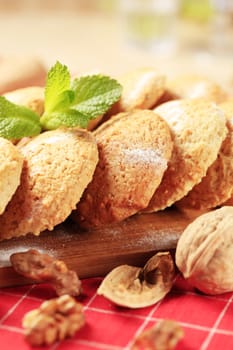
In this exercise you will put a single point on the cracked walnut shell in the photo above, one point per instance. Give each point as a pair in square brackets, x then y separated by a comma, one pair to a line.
[136, 287]
[204, 252]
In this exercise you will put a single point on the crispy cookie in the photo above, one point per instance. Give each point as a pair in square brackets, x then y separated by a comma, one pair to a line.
[198, 129]
[134, 149]
[58, 165]
[31, 97]
[141, 90]
[11, 163]
[217, 185]
[194, 86]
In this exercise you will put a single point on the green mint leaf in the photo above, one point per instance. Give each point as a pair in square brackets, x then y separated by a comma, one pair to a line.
[63, 101]
[75, 104]
[58, 81]
[95, 94]
[17, 121]
[69, 118]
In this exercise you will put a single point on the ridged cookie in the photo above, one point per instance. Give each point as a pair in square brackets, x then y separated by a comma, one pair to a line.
[58, 165]
[31, 97]
[11, 163]
[195, 86]
[134, 149]
[198, 128]
[216, 187]
[141, 90]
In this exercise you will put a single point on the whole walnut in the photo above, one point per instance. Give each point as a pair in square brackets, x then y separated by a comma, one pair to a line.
[204, 252]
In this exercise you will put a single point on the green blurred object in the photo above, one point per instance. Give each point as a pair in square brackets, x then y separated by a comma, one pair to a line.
[197, 10]
[107, 5]
[146, 26]
[149, 24]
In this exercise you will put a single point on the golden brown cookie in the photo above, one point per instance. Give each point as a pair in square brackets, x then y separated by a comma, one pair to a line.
[134, 149]
[11, 163]
[31, 97]
[141, 89]
[195, 86]
[198, 128]
[58, 165]
[217, 185]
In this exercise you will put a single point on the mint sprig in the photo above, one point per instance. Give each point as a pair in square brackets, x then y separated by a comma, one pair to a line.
[67, 103]
[76, 103]
[17, 121]
[57, 82]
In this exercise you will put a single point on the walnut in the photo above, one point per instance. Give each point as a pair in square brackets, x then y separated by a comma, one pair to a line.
[164, 335]
[56, 319]
[204, 252]
[136, 287]
[44, 268]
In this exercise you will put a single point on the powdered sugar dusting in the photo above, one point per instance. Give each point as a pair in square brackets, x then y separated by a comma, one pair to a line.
[146, 156]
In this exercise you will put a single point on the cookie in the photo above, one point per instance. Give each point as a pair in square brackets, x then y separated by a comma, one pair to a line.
[134, 149]
[57, 167]
[194, 86]
[141, 90]
[198, 128]
[217, 185]
[31, 97]
[11, 163]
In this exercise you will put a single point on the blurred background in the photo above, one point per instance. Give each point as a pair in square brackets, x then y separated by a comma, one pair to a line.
[114, 36]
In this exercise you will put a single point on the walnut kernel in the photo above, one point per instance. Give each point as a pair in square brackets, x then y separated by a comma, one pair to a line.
[164, 335]
[55, 320]
[44, 268]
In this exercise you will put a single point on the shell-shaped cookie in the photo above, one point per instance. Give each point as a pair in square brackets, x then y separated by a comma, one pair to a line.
[11, 163]
[141, 90]
[31, 97]
[195, 86]
[58, 165]
[217, 185]
[198, 128]
[134, 149]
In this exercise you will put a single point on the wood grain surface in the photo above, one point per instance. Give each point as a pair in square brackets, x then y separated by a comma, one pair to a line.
[95, 252]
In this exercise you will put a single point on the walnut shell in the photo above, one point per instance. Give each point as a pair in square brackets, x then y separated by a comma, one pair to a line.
[136, 287]
[204, 252]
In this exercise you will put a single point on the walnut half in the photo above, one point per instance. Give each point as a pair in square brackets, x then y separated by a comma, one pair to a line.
[136, 287]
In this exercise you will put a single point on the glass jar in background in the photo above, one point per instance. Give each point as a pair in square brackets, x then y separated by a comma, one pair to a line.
[194, 30]
[221, 39]
[150, 24]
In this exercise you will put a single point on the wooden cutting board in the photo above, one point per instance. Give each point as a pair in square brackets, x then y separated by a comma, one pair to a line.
[95, 252]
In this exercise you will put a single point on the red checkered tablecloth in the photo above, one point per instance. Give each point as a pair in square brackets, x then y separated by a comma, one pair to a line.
[206, 320]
